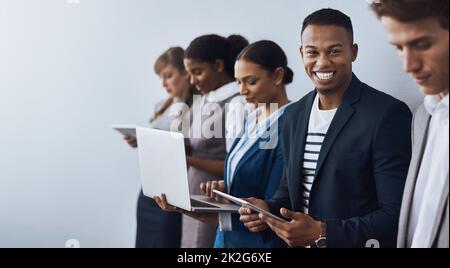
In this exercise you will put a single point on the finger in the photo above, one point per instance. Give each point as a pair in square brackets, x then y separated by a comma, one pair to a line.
[164, 201]
[222, 185]
[286, 213]
[210, 188]
[214, 186]
[291, 215]
[250, 218]
[273, 223]
[279, 232]
[255, 224]
[166, 204]
[207, 188]
[203, 188]
[218, 186]
[258, 228]
[250, 200]
[242, 211]
[245, 211]
[254, 201]
[158, 201]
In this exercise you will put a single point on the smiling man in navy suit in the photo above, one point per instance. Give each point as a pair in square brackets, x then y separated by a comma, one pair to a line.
[346, 150]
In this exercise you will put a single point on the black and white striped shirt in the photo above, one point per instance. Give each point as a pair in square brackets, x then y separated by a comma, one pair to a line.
[319, 123]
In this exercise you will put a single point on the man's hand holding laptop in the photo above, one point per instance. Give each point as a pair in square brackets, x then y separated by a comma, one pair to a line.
[206, 188]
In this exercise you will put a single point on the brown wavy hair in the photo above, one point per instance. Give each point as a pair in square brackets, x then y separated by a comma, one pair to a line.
[173, 56]
[412, 10]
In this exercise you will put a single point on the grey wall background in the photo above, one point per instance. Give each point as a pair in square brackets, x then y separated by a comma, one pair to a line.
[71, 68]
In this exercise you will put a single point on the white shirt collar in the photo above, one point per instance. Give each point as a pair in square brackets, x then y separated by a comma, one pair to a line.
[433, 102]
[223, 93]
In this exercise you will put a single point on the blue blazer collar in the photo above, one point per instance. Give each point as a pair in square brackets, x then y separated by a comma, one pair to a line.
[254, 148]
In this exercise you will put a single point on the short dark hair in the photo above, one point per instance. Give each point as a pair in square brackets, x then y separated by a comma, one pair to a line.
[209, 48]
[328, 16]
[269, 56]
[412, 10]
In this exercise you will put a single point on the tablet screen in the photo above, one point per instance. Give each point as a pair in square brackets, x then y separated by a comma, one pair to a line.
[126, 130]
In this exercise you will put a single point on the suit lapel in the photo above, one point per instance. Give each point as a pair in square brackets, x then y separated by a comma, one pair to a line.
[419, 135]
[440, 212]
[252, 151]
[343, 115]
[255, 147]
[299, 132]
[226, 175]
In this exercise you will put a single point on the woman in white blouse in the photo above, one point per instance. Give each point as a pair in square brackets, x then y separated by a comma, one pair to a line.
[210, 62]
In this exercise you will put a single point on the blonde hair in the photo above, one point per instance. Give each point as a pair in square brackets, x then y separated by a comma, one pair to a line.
[173, 56]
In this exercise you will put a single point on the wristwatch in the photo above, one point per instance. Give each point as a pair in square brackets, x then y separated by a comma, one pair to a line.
[321, 242]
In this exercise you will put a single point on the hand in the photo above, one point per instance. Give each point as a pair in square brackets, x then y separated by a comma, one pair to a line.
[301, 231]
[208, 218]
[132, 141]
[251, 219]
[162, 203]
[208, 187]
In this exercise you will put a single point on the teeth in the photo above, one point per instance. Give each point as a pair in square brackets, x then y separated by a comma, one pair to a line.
[325, 76]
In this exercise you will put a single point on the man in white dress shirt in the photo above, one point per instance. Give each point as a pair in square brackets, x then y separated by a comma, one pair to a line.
[419, 31]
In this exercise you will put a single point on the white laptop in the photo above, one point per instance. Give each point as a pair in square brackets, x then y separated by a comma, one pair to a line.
[162, 162]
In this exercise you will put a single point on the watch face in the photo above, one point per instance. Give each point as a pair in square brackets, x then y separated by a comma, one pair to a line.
[321, 242]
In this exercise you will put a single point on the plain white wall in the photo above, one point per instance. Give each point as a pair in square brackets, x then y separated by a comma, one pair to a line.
[71, 68]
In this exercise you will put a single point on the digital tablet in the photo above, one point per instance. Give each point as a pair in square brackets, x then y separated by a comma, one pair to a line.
[127, 130]
[246, 204]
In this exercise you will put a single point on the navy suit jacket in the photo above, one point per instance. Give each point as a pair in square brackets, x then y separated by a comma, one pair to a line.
[361, 170]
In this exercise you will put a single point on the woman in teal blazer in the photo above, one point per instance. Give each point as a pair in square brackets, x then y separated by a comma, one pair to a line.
[254, 165]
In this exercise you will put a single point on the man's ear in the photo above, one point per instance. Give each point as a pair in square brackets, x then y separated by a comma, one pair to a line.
[279, 76]
[355, 49]
[219, 66]
[301, 51]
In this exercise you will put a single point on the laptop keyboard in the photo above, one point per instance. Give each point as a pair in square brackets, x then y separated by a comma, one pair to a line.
[199, 204]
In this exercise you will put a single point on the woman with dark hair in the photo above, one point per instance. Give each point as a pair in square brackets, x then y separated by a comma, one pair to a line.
[156, 228]
[209, 60]
[255, 162]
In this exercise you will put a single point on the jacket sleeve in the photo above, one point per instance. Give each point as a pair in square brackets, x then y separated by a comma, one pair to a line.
[390, 159]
